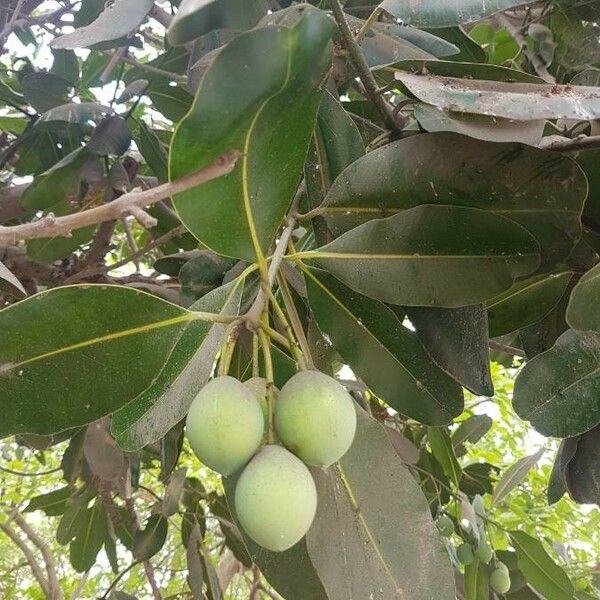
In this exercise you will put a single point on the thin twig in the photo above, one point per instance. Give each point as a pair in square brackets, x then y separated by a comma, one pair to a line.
[368, 24]
[153, 69]
[118, 578]
[23, 474]
[499, 347]
[11, 24]
[51, 226]
[362, 68]
[534, 59]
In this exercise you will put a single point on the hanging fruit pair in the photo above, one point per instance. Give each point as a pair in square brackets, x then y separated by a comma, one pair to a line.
[275, 496]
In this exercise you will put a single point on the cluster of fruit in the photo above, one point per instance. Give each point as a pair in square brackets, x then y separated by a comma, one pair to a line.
[499, 577]
[275, 496]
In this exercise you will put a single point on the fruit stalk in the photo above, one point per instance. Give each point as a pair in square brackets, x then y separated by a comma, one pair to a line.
[266, 346]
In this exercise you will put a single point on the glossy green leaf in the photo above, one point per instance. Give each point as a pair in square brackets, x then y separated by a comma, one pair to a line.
[481, 127]
[349, 516]
[558, 390]
[441, 446]
[149, 540]
[291, 573]
[89, 531]
[53, 503]
[269, 116]
[186, 369]
[471, 430]
[515, 475]
[557, 485]
[477, 581]
[117, 20]
[526, 302]
[66, 65]
[172, 101]
[90, 332]
[111, 137]
[441, 13]
[582, 312]
[197, 17]
[539, 190]
[382, 352]
[202, 274]
[541, 572]
[45, 90]
[432, 43]
[336, 143]
[152, 149]
[507, 100]
[582, 472]
[431, 256]
[469, 50]
[457, 340]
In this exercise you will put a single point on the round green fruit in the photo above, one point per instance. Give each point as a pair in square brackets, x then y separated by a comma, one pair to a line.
[315, 418]
[500, 581]
[465, 554]
[502, 567]
[484, 552]
[275, 499]
[445, 525]
[225, 425]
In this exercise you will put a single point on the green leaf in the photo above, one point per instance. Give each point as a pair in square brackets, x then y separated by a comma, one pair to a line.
[291, 573]
[557, 485]
[469, 50]
[481, 127]
[477, 581]
[89, 532]
[88, 332]
[172, 101]
[457, 341]
[269, 117]
[45, 90]
[582, 472]
[152, 150]
[507, 100]
[471, 430]
[79, 112]
[148, 541]
[441, 13]
[431, 255]
[557, 391]
[184, 371]
[197, 17]
[9, 283]
[541, 572]
[355, 515]
[381, 351]
[436, 45]
[118, 19]
[136, 88]
[111, 137]
[441, 446]
[53, 503]
[515, 475]
[582, 312]
[66, 65]
[516, 181]
[526, 302]
[202, 274]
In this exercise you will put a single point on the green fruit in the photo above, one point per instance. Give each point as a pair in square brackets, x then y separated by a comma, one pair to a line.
[225, 425]
[484, 552]
[275, 499]
[500, 581]
[502, 567]
[445, 525]
[465, 554]
[315, 418]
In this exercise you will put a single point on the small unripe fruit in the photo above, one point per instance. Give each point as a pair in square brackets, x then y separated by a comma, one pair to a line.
[484, 552]
[502, 567]
[315, 418]
[225, 425]
[465, 554]
[500, 581]
[275, 499]
[445, 525]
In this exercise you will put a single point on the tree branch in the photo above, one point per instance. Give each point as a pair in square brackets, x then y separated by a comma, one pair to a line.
[499, 347]
[29, 556]
[51, 226]
[362, 68]
[581, 142]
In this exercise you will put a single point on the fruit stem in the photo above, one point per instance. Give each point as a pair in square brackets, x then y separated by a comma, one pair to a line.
[255, 369]
[293, 344]
[294, 318]
[266, 347]
[228, 347]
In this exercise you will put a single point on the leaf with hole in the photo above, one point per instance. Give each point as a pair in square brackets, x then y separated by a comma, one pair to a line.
[269, 117]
